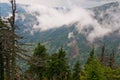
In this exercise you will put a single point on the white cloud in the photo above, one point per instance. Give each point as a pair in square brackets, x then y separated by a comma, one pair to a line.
[71, 35]
[49, 18]
[52, 18]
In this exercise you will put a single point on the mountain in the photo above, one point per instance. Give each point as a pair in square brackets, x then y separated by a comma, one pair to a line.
[75, 43]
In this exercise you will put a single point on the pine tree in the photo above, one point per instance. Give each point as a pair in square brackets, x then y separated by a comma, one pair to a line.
[58, 66]
[76, 71]
[112, 74]
[91, 57]
[38, 62]
[94, 70]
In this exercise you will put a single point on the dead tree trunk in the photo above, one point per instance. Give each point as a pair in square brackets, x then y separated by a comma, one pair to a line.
[1, 63]
[13, 63]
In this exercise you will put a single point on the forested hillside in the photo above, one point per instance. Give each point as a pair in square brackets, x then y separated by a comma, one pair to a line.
[75, 50]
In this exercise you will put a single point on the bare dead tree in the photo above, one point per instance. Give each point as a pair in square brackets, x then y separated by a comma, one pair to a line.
[12, 22]
[1, 63]
[9, 46]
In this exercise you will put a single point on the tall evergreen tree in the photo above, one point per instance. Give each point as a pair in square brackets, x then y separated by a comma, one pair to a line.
[76, 71]
[94, 70]
[91, 57]
[38, 62]
[58, 66]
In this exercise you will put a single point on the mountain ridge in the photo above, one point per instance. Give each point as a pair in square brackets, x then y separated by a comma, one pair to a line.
[77, 46]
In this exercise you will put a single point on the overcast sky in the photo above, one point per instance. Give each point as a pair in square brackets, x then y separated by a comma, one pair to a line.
[53, 3]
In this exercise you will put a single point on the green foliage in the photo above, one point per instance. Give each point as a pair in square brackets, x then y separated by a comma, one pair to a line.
[93, 69]
[112, 74]
[76, 71]
[2, 25]
[40, 51]
[58, 66]
[91, 57]
[38, 67]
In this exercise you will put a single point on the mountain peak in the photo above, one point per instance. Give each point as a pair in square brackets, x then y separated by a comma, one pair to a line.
[108, 6]
[112, 4]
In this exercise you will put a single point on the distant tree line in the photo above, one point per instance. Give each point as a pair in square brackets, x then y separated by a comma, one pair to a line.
[56, 66]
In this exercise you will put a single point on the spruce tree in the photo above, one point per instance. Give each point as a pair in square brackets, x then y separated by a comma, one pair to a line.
[38, 62]
[58, 66]
[94, 70]
[76, 71]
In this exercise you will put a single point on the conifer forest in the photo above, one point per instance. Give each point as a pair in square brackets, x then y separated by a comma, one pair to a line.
[71, 42]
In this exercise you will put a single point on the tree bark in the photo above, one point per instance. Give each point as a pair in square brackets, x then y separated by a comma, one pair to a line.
[1, 64]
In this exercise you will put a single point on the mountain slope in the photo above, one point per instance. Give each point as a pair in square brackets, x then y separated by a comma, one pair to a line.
[75, 43]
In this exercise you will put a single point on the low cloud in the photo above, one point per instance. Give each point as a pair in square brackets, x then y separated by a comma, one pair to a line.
[53, 18]
[49, 18]
[70, 35]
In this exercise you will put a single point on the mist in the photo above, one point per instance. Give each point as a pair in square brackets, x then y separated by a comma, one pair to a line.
[52, 17]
